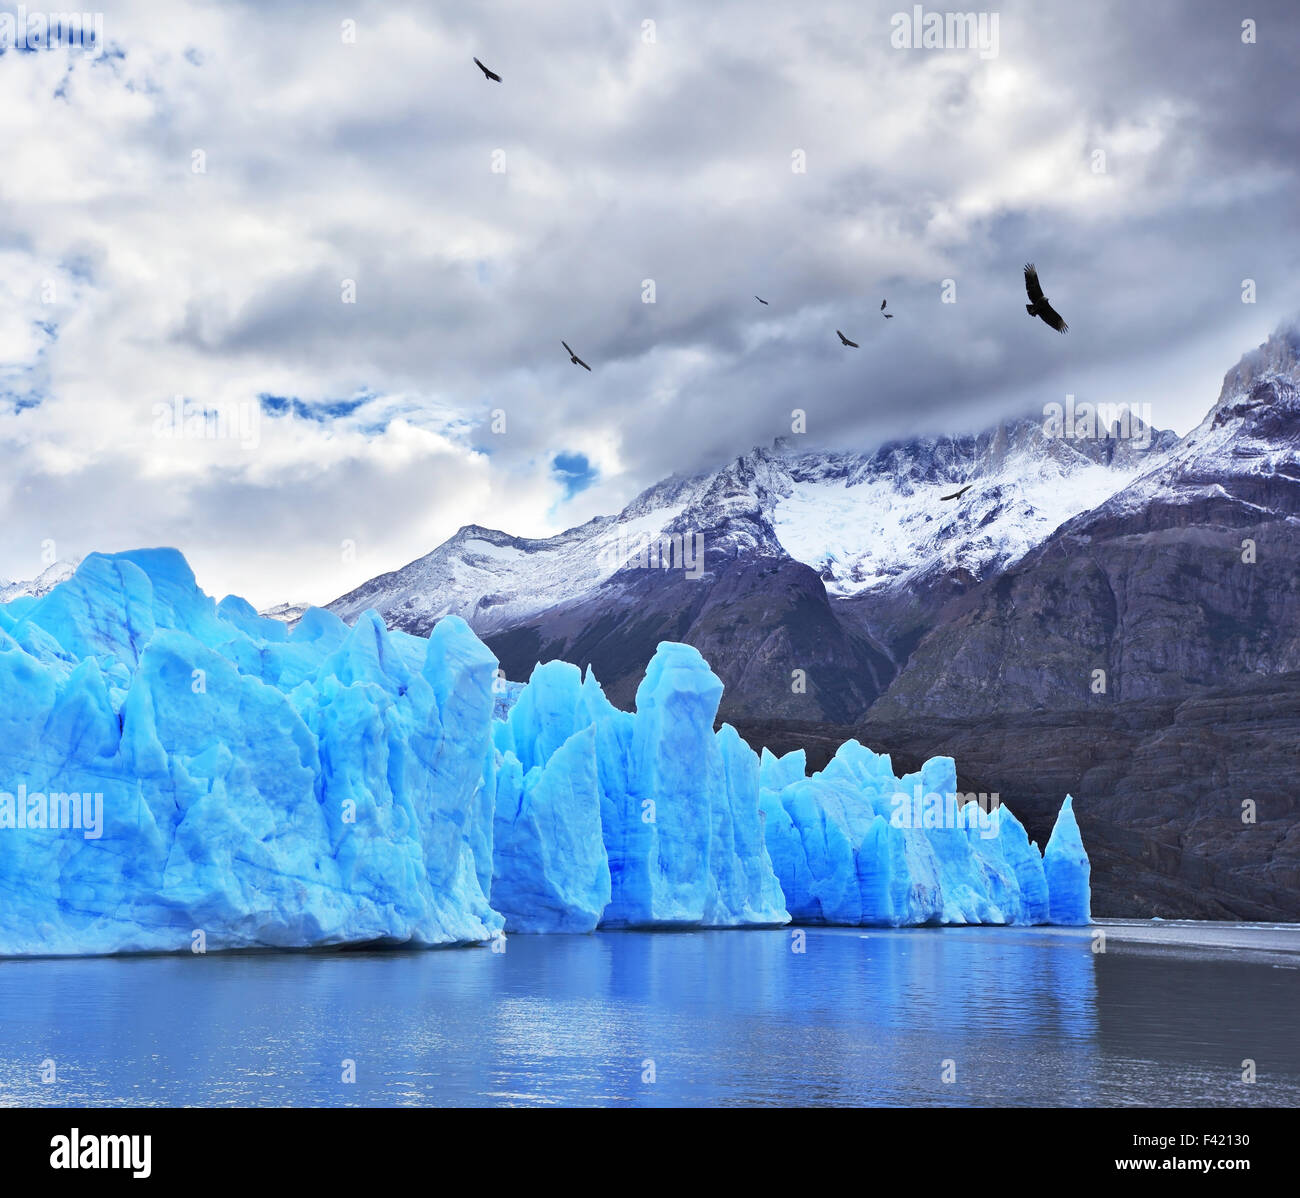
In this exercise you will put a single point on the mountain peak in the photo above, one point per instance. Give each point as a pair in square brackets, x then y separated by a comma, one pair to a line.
[42, 584]
[1278, 357]
[480, 532]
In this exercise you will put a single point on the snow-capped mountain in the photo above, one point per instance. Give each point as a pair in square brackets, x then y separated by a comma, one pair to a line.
[841, 567]
[496, 581]
[1180, 580]
[44, 582]
[1243, 458]
[864, 522]
[287, 613]
[868, 523]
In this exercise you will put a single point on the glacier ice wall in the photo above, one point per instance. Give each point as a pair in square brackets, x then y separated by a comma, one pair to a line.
[252, 787]
[178, 774]
[853, 844]
[550, 868]
[674, 805]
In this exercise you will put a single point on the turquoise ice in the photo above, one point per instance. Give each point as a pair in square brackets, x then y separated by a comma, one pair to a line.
[672, 805]
[853, 844]
[1068, 871]
[258, 788]
[178, 774]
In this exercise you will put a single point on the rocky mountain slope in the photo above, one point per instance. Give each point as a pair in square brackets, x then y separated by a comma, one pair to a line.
[1177, 584]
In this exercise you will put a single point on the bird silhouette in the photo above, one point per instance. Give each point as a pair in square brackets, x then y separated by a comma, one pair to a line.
[760, 299]
[490, 74]
[846, 341]
[1040, 307]
[888, 315]
[577, 361]
[957, 494]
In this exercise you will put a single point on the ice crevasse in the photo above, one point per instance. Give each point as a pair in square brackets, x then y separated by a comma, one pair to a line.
[177, 774]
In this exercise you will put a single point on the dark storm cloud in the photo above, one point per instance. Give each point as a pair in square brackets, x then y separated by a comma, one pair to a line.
[580, 267]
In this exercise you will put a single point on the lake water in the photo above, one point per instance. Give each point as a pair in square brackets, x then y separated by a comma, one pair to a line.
[1024, 1016]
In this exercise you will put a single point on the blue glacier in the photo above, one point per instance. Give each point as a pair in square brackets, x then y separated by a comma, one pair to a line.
[551, 872]
[178, 774]
[853, 844]
[674, 805]
[1068, 871]
[256, 788]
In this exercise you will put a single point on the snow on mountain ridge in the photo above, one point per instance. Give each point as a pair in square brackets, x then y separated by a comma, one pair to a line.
[862, 520]
[287, 613]
[1252, 433]
[42, 584]
[886, 523]
[493, 579]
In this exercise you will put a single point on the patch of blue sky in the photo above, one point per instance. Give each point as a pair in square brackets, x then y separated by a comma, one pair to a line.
[574, 471]
[14, 399]
[323, 411]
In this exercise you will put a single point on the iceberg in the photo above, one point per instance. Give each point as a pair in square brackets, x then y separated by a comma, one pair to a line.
[178, 774]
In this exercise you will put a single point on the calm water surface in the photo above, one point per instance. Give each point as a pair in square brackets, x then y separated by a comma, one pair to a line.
[1027, 1016]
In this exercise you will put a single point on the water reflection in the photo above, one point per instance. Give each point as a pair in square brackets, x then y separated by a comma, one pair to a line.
[861, 1017]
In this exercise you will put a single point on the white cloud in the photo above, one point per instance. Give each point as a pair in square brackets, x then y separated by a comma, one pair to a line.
[624, 161]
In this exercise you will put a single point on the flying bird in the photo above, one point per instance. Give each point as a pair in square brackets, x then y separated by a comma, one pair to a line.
[957, 494]
[1040, 307]
[490, 74]
[846, 341]
[888, 315]
[760, 299]
[577, 361]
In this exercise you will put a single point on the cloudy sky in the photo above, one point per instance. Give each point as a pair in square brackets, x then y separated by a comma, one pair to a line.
[183, 216]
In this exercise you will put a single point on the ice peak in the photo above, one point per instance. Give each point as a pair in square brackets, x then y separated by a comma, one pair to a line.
[1066, 865]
